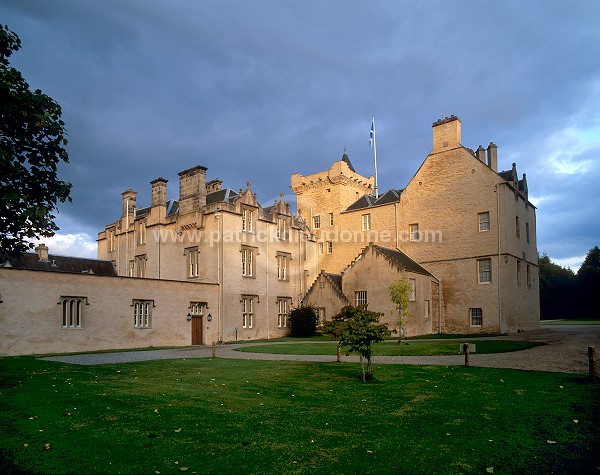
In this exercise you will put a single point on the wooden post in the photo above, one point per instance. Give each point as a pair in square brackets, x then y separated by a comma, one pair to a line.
[339, 354]
[592, 361]
[466, 352]
[214, 349]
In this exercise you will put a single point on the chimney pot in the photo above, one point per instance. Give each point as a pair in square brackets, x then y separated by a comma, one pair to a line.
[492, 156]
[42, 252]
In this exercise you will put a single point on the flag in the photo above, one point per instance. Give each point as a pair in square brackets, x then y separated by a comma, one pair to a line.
[372, 136]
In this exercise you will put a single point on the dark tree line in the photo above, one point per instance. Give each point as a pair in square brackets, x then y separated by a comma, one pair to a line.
[565, 294]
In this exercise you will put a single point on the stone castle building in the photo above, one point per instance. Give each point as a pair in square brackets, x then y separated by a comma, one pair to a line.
[215, 265]
[260, 258]
[473, 228]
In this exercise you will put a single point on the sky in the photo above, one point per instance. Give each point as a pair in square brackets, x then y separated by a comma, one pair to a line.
[257, 90]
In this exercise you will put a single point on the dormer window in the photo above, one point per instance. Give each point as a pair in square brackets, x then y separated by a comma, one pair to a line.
[247, 220]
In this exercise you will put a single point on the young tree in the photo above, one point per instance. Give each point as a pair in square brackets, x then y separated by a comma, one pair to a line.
[400, 292]
[32, 140]
[303, 321]
[359, 328]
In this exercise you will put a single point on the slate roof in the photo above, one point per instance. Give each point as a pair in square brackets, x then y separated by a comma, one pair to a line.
[223, 195]
[64, 264]
[346, 159]
[368, 201]
[401, 259]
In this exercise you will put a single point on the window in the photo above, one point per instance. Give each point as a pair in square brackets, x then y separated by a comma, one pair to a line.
[528, 276]
[366, 222]
[197, 308]
[248, 264]
[360, 298]
[484, 268]
[476, 315]
[329, 247]
[131, 269]
[142, 233]
[414, 232]
[247, 220]
[317, 222]
[140, 266]
[413, 290]
[247, 312]
[283, 310]
[142, 313]
[111, 240]
[518, 228]
[330, 219]
[321, 248]
[72, 311]
[282, 232]
[193, 262]
[527, 231]
[283, 264]
[518, 272]
[484, 221]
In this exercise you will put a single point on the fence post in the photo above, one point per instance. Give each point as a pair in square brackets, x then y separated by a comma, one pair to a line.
[466, 352]
[592, 361]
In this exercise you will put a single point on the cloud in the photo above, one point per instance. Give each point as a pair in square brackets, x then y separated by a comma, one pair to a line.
[73, 245]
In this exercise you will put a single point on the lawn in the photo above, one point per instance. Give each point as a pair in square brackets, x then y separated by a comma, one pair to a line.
[239, 416]
[393, 348]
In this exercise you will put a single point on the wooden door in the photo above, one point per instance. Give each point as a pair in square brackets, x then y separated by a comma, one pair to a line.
[197, 330]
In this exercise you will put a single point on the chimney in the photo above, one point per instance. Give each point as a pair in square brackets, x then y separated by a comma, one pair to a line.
[159, 192]
[129, 198]
[213, 185]
[492, 155]
[480, 154]
[192, 189]
[446, 134]
[42, 252]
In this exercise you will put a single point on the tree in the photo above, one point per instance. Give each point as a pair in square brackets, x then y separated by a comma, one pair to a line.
[359, 328]
[32, 141]
[557, 289]
[400, 292]
[588, 284]
[303, 321]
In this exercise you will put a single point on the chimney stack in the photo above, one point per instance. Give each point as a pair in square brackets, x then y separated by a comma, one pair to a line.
[492, 155]
[214, 185]
[192, 189]
[480, 154]
[446, 133]
[129, 199]
[42, 252]
[159, 192]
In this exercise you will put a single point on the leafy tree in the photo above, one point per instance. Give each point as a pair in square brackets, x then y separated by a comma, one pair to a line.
[588, 284]
[557, 290]
[359, 328]
[303, 321]
[400, 292]
[32, 140]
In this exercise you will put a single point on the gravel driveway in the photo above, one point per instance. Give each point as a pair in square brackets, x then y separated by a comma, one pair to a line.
[565, 351]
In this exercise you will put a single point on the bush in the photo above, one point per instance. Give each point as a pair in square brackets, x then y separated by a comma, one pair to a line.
[303, 321]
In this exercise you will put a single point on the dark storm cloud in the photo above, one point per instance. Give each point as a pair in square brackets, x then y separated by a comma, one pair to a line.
[258, 90]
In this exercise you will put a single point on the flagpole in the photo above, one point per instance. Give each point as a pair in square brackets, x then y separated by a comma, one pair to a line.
[375, 155]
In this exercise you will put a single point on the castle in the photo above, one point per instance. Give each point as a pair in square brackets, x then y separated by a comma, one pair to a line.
[215, 265]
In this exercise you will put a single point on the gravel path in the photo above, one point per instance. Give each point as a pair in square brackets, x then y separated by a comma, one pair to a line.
[565, 351]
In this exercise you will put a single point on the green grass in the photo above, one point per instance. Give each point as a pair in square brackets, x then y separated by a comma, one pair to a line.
[389, 348]
[570, 322]
[238, 416]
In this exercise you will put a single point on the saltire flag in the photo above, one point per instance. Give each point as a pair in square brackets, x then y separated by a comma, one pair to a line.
[372, 136]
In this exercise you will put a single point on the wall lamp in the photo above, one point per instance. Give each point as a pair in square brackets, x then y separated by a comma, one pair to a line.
[189, 316]
[209, 317]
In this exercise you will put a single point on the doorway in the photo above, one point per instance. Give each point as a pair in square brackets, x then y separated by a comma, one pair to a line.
[197, 330]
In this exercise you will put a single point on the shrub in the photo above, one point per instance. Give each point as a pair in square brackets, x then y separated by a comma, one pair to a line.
[303, 321]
